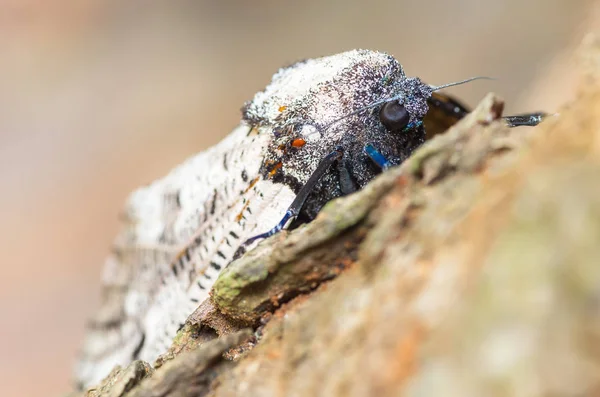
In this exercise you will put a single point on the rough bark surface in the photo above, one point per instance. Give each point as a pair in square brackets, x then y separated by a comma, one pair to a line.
[471, 270]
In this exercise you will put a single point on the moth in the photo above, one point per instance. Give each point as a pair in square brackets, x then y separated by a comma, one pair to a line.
[322, 128]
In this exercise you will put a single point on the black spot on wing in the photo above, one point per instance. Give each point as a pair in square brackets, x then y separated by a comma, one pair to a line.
[225, 166]
[104, 325]
[239, 252]
[172, 201]
[213, 204]
[138, 348]
[281, 177]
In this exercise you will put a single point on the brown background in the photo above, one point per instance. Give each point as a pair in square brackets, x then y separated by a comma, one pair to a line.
[98, 97]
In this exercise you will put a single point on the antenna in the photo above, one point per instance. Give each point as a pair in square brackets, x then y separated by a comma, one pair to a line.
[399, 96]
[439, 87]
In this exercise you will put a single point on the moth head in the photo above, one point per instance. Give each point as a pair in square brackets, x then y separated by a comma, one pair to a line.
[352, 99]
[406, 109]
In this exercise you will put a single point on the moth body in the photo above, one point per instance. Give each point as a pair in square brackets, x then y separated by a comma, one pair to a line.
[182, 230]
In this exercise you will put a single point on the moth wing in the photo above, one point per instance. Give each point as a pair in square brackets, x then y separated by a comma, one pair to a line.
[179, 232]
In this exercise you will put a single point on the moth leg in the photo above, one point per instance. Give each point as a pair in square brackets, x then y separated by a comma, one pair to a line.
[528, 119]
[453, 109]
[446, 111]
[347, 184]
[377, 157]
[294, 208]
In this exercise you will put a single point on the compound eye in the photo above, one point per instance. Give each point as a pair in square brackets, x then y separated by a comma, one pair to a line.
[394, 116]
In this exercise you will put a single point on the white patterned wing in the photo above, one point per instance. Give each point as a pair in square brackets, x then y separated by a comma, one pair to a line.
[180, 231]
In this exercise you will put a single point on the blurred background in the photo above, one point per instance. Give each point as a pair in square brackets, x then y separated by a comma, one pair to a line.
[99, 97]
